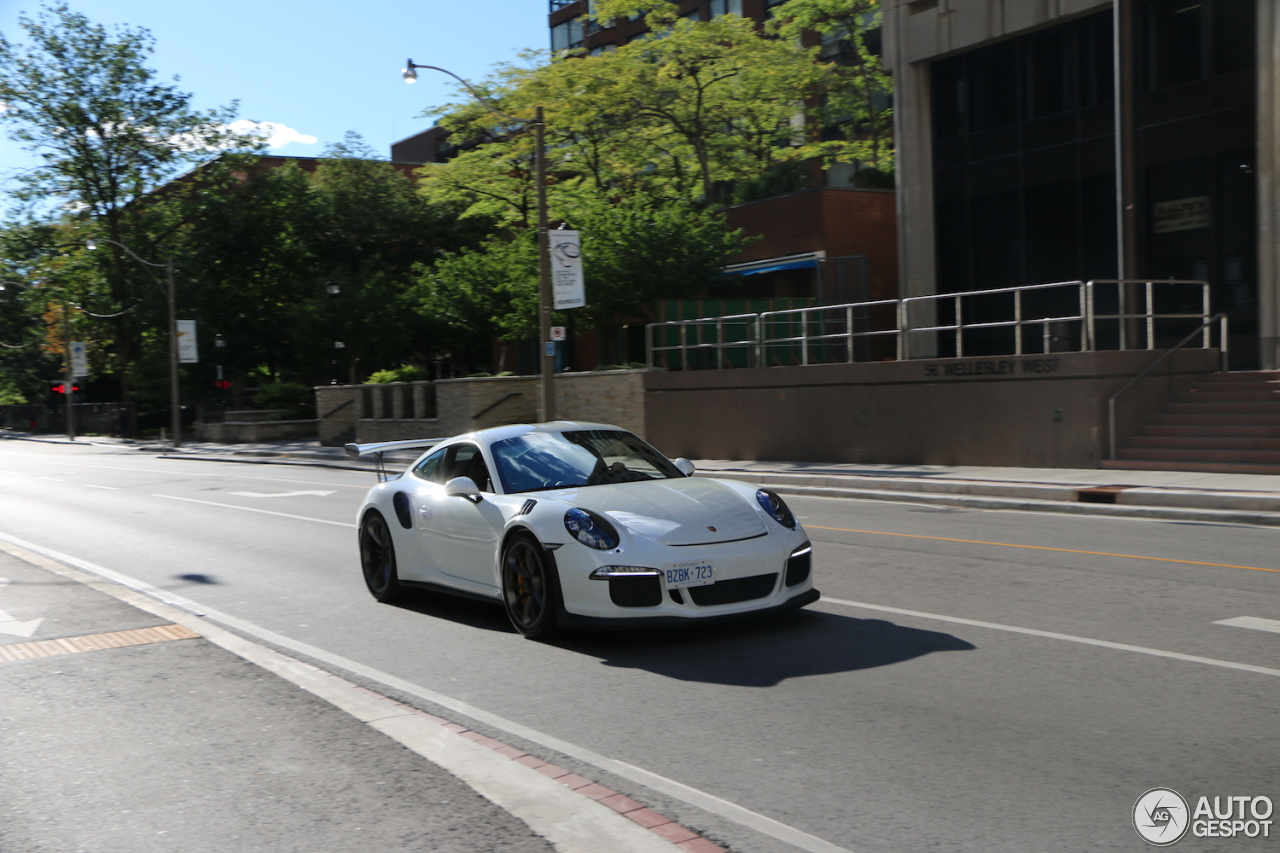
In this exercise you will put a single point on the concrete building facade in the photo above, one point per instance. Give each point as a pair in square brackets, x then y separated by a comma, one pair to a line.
[1050, 140]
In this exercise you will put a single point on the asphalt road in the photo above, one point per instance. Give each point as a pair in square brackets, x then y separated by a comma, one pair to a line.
[972, 680]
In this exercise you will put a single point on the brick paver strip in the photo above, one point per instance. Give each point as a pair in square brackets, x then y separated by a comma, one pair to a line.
[552, 771]
[530, 762]
[621, 803]
[647, 818]
[659, 824]
[596, 792]
[673, 832]
[94, 642]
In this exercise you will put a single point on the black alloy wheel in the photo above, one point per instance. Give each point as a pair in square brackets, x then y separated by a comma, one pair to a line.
[378, 559]
[528, 588]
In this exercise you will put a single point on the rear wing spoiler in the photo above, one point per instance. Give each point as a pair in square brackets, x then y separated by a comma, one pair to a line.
[376, 450]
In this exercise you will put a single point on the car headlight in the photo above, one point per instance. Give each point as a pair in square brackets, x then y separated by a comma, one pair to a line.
[590, 529]
[773, 504]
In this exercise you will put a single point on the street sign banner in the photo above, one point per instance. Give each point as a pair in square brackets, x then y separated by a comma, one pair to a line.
[79, 359]
[187, 352]
[566, 269]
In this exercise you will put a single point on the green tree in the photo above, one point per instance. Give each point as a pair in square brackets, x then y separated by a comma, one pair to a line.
[635, 251]
[105, 132]
[271, 244]
[858, 85]
[671, 117]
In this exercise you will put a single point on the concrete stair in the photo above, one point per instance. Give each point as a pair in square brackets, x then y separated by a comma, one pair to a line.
[1229, 424]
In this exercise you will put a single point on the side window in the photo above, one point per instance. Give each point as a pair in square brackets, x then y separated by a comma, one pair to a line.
[430, 468]
[465, 460]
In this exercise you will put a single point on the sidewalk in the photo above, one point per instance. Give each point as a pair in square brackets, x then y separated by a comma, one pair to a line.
[129, 725]
[1182, 495]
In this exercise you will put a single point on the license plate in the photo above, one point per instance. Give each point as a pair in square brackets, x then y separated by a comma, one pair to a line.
[690, 573]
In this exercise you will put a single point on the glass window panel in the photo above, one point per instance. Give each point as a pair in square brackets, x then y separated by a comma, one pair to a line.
[1175, 42]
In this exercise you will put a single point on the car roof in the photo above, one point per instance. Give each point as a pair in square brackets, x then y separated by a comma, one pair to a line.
[500, 433]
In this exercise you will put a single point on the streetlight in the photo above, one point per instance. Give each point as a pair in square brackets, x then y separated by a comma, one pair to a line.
[332, 288]
[547, 406]
[176, 412]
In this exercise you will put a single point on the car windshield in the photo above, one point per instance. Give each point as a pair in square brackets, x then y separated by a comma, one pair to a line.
[552, 460]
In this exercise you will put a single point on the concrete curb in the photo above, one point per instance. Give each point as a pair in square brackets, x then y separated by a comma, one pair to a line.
[1268, 519]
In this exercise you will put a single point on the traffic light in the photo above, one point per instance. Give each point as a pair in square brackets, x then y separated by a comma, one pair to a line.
[222, 384]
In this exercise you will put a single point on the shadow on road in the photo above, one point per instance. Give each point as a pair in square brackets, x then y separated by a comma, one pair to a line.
[766, 652]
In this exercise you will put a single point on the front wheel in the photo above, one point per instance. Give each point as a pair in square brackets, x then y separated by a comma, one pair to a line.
[528, 588]
[378, 559]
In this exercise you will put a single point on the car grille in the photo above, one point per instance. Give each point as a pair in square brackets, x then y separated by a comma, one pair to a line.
[638, 591]
[733, 591]
[799, 565]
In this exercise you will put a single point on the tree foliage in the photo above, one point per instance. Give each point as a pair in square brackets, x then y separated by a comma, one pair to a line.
[670, 118]
[105, 132]
[635, 251]
[269, 244]
[858, 85]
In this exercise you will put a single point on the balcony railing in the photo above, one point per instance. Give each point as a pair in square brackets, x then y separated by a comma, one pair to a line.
[1070, 316]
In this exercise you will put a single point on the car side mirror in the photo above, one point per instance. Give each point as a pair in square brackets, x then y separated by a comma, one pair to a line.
[463, 487]
[684, 466]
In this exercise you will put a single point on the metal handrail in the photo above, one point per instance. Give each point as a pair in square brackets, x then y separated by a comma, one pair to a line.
[1111, 401]
[487, 409]
[757, 343]
[1148, 316]
[719, 344]
[848, 336]
[959, 326]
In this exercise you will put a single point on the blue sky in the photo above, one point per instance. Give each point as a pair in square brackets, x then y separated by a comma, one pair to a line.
[319, 68]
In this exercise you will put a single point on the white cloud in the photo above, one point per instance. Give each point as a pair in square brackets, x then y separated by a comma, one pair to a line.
[276, 135]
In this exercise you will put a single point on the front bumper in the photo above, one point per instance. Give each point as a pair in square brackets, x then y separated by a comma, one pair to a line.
[758, 575]
[606, 623]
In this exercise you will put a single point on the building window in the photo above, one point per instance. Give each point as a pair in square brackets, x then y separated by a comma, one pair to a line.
[1189, 40]
[567, 35]
[1022, 144]
[726, 7]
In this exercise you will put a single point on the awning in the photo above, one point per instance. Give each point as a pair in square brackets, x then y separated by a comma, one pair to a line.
[774, 265]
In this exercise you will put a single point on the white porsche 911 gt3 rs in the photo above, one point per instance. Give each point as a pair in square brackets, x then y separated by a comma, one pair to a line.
[579, 525]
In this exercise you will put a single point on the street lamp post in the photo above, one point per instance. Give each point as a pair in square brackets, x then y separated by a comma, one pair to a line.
[546, 349]
[175, 409]
[332, 288]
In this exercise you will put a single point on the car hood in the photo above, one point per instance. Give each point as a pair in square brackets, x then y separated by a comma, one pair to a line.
[685, 511]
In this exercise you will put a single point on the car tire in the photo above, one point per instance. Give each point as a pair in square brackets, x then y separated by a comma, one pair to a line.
[378, 559]
[529, 589]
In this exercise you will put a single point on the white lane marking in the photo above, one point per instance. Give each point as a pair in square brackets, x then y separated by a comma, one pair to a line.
[278, 494]
[92, 486]
[1052, 635]
[1252, 622]
[50, 479]
[9, 625]
[255, 509]
[708, 802]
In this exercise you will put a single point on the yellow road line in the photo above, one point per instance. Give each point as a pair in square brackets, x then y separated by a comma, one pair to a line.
[1045, 548]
